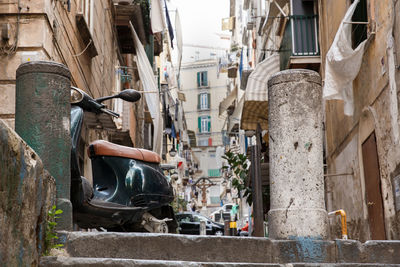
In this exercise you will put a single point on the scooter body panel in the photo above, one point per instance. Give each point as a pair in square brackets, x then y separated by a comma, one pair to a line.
[130, 182]
[123, 188]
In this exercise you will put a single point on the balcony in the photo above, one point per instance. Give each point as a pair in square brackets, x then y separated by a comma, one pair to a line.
[300, 47]
[125, 11]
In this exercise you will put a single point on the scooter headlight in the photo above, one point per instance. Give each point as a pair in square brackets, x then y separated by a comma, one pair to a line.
[76, 95]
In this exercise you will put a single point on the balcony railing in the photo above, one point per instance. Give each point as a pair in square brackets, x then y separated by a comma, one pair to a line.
[305, 35]
[300, 39]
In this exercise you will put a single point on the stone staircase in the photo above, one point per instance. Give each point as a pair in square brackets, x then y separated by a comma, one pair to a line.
[139, 249]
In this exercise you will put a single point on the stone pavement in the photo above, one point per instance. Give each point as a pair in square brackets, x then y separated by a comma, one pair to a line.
[143, 249]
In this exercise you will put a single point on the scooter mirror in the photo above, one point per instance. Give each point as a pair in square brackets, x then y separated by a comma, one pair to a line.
[129, 95]
[76, 95]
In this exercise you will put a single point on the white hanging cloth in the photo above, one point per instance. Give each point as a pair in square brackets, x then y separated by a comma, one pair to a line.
[179, 41]
[343, 64]
[157, 16]
[149, 84]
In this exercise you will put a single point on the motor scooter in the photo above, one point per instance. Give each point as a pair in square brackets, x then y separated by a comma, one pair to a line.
[129, 191]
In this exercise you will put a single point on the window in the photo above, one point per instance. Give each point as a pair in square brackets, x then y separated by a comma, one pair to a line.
[214, 173]
[86, 8]
[304, 28]
[202, 142]
[359, 31]
[204, 124]
[202, 79]
[84, 22]
[203, 101]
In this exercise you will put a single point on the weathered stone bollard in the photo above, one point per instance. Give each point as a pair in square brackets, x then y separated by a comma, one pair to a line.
[203, 227]
[42, 119]
[296, 156]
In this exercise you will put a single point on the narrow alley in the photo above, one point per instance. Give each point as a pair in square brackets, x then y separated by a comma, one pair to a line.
[199, 133]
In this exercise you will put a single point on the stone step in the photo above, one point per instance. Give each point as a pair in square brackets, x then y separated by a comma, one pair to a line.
[113, 262]
[173, 247]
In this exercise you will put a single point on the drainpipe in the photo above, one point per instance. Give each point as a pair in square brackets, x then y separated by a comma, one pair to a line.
[342, 214]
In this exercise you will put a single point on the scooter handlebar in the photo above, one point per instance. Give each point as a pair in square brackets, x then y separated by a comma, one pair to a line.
[109, 112]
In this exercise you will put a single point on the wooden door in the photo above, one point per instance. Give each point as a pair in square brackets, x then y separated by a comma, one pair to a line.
[373, 188]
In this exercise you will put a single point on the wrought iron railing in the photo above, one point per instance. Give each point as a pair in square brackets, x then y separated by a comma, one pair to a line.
[300, 38]
[304, 35]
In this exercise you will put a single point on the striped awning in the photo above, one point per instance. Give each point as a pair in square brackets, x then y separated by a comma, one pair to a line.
[224, 105]
[255, 107]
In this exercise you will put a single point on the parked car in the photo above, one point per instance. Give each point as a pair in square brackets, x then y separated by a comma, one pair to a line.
[189, 223]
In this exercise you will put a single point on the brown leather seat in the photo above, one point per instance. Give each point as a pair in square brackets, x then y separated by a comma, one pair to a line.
[104, 148]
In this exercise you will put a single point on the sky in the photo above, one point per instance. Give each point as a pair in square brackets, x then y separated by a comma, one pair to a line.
[201, 25]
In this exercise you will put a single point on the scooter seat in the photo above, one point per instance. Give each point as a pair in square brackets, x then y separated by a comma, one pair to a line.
[104, 148]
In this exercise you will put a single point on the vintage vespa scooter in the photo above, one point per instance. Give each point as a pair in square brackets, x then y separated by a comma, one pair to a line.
[129, 191]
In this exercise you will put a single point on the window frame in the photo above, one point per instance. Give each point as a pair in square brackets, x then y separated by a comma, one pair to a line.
[85, 7]
[205, 124]
[360, 29]
[204, 104]
[202, 79]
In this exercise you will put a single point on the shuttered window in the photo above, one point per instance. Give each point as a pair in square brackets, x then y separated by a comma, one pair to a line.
[204, 124]
[203, 101]
[202, 80]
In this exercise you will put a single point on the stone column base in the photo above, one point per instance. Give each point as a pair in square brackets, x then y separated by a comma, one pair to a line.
[294, 223]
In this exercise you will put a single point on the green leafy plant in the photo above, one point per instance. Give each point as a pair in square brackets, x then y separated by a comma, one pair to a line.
[239, 165]
[239, 175]
[179, 204]
[51, 235]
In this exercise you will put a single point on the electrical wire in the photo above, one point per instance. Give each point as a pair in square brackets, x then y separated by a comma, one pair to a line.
[83, 51]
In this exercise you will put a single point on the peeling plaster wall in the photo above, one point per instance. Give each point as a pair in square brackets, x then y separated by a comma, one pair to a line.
[27, 191]
[344, 189]
[376, 109]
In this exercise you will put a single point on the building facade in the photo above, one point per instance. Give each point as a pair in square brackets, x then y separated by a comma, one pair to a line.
[93, 39]
[361, 130]
[362, 149]
[205, 86]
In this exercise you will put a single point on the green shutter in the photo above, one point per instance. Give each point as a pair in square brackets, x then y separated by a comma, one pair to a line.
[199, 120]
[198, 101]
[198, 79]
[209, 123]
[208, 100]
[205, 78]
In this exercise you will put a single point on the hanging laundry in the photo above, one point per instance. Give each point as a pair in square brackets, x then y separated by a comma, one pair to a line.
[156, 16]
[170, 29]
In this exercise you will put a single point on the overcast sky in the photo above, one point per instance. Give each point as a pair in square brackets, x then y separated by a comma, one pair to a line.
[201, 25]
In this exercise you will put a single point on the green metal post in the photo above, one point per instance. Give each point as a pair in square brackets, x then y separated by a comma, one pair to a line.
[42, 119]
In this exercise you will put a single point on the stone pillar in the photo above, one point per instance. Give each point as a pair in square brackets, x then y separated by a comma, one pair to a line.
[296, 156]
[203, 227]
[42, 119]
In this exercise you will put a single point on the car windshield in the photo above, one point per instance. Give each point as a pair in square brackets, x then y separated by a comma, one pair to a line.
[183, 217]
[198, 218]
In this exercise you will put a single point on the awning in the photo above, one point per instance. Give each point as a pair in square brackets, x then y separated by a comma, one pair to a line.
[255, 107]
[237, 113]
[225, 104]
